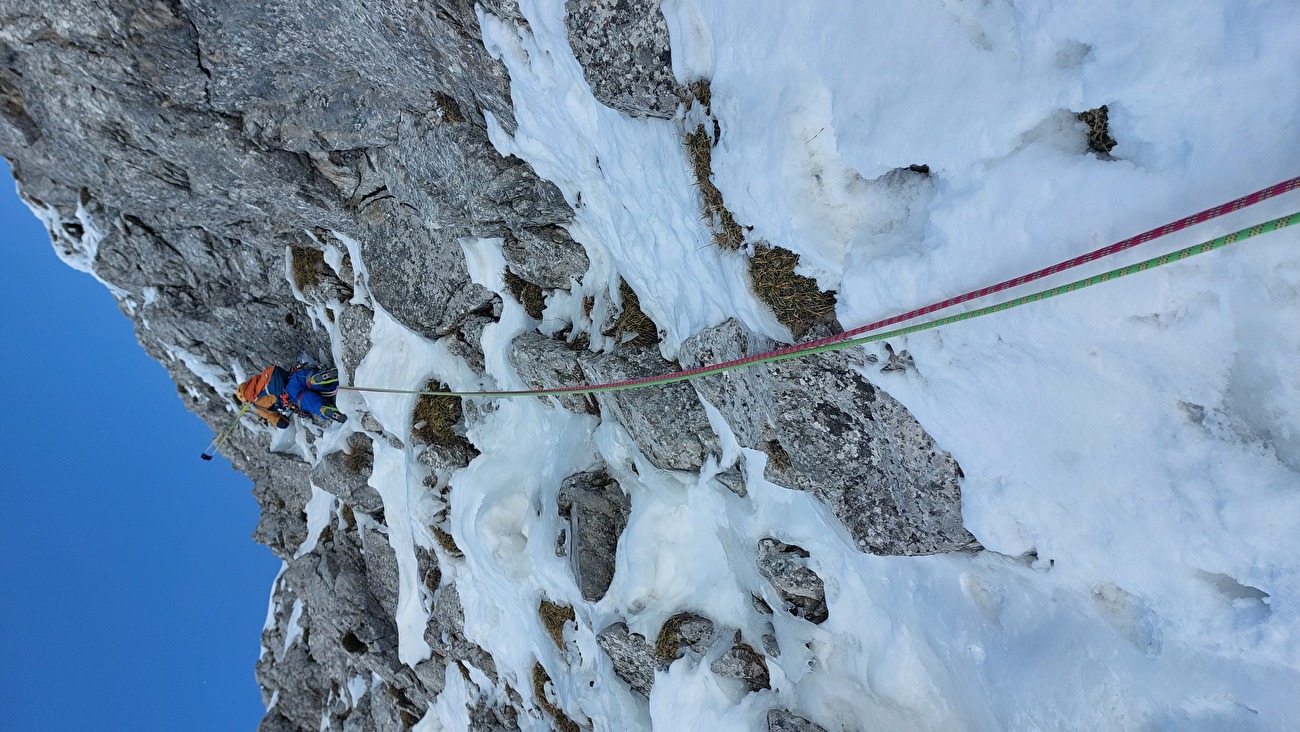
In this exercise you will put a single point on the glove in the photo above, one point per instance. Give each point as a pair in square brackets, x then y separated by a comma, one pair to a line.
[283, 423]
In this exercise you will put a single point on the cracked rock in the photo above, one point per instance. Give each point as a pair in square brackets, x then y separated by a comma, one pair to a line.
[829, 431]
[598, 510]
[668, 422]
[785, 567]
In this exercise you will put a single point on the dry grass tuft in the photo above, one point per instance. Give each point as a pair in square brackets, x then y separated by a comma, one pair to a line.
[701, 91]
[447, 543]
[553, 618]
[435, 417]
[359, 458]
[726, 232]
[433, 578]
[1098, 121]
[562, 721]
[448, 108]
[794, 299]
[307, 265]
[776, 455]
[669, 640]
[634, 320]
[528, 294]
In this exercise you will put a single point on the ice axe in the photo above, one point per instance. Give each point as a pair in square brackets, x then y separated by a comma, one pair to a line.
[221, 438]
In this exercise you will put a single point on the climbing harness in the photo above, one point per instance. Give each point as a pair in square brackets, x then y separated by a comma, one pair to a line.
[221, 438]
[855, 336]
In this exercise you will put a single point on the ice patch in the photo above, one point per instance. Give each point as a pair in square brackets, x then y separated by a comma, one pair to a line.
[293, 630]
[319, 509]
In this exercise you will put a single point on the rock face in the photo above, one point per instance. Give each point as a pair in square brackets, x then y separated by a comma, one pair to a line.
[828, 431]
[252, 181]
[668, 423]
[597, 509]
[632, 657]
[545, 363]
[624, 51]
[799, 587]
[548, 257]
[779, 720]
[347, 474]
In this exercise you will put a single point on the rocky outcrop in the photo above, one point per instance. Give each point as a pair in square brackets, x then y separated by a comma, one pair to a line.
[418, 275]
[544, 363]
[632, 658]
[829, 431]
[636, 661]
[743, 663]
[625, 55]
[597, 509]
[668, 423]
[182, 152]
[346, 474]
[355, 324]
[780, 720]
[547, 256]
[785, 566]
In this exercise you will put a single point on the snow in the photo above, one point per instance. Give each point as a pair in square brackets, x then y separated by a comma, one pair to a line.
[1130, 450]
[357, 688]
[320, 509]
[293, 629]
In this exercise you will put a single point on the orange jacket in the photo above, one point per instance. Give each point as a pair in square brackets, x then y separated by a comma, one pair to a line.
[255, 393]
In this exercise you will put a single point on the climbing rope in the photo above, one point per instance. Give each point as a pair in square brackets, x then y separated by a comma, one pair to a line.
[854, 337]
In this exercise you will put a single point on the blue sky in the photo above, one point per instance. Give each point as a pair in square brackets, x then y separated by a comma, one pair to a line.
[133, 596]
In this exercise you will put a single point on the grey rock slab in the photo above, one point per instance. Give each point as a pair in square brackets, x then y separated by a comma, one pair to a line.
[354, 326]
[597, 509]
[334, 75]
[785, 566]
[416, 274]
[545, 363]
[744, 663]
[667, 422]
[829, 431]
[780, 720]
[546, 256]
[624, 51]
[347, 475]
[683, 630]
[467, 340]
[632, 658]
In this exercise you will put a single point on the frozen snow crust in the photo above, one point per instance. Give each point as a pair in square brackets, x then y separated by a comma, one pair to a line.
[1099, 494]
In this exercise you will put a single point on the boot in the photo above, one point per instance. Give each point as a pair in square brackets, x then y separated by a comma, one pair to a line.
[324, 382]
[333, 413]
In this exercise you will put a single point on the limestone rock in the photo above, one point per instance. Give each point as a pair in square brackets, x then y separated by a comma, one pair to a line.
[668, 422]
[598, 510]
[355, 324]
[633, 661]
[803, 591]
[683, 630]
[828, 431]
[546, 256]
[780, 720]
[742, 662]
[347, 475]
[467, 340]
[624, 51]
[546, 362]
[418, 276]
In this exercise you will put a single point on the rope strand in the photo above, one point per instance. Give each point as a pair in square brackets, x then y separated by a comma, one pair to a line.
[847, 339]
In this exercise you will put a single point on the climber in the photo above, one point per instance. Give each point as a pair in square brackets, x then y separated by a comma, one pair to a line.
[276, 393]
